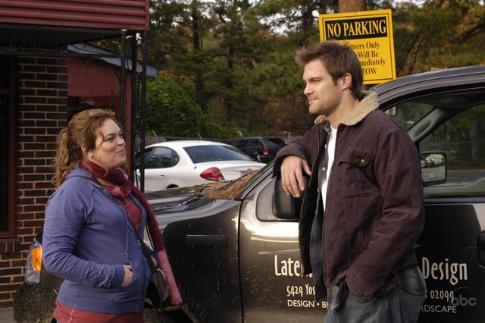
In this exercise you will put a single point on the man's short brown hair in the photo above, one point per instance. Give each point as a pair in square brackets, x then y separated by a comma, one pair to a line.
[338, 59]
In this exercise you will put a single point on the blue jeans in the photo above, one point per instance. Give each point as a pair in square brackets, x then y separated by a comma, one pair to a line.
[400, 304]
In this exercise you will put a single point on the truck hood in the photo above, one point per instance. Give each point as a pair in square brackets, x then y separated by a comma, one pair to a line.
[192, 197]
[177, 199]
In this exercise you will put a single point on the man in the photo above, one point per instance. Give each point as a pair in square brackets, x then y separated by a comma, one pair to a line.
[362, 208]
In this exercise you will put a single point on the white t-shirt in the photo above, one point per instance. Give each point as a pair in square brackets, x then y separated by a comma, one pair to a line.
[331, 156]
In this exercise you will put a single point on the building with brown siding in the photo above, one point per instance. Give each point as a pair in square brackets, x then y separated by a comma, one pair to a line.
[35, 67]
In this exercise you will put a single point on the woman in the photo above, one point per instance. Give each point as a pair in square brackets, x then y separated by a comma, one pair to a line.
[89, 232]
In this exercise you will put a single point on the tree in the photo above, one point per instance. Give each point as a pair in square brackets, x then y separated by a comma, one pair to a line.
[170, 111]
[439, 34]
[235, 58]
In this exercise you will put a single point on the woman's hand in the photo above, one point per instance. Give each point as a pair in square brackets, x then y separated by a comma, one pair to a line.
[128, 277]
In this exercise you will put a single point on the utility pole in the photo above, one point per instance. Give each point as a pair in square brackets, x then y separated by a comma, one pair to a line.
[351, 5]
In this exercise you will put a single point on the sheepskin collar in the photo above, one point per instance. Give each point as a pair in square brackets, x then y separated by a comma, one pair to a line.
[368, 104]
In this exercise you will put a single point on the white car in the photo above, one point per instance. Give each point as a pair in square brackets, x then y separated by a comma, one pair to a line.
[190, 162]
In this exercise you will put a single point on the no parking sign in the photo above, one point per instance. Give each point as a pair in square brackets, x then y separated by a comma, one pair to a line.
[369, 33]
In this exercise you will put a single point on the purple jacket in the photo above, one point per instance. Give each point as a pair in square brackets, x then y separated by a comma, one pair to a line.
[374, 211]
[87, 238]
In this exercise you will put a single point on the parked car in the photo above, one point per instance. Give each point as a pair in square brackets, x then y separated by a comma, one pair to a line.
[234, 246]
[189, 162]
[262, 149]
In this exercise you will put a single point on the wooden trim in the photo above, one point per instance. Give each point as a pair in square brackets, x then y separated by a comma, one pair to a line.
[108, 14]
[11, 153]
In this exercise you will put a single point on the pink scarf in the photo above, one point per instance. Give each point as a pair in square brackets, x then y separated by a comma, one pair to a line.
[118, 177]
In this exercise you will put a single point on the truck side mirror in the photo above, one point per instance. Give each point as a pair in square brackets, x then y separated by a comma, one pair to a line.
[433, 168]
[285, 207]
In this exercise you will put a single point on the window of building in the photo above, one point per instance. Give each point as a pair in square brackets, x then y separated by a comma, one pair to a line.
[3, 162]
[7, 146]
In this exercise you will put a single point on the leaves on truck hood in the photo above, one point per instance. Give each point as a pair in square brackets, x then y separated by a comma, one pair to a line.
[179, 198]
[228, 190]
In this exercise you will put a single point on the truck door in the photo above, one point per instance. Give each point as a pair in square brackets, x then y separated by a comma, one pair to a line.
[451, 249]
[271, 284]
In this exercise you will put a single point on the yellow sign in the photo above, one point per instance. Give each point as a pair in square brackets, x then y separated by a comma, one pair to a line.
[369, 33]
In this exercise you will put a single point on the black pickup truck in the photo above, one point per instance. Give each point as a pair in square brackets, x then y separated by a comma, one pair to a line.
[233, 246]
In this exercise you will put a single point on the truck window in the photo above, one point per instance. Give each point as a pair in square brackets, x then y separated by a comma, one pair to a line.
[406, 114]
[462, 139]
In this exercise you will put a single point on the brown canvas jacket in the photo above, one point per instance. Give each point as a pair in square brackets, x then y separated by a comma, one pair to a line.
[374, 208]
